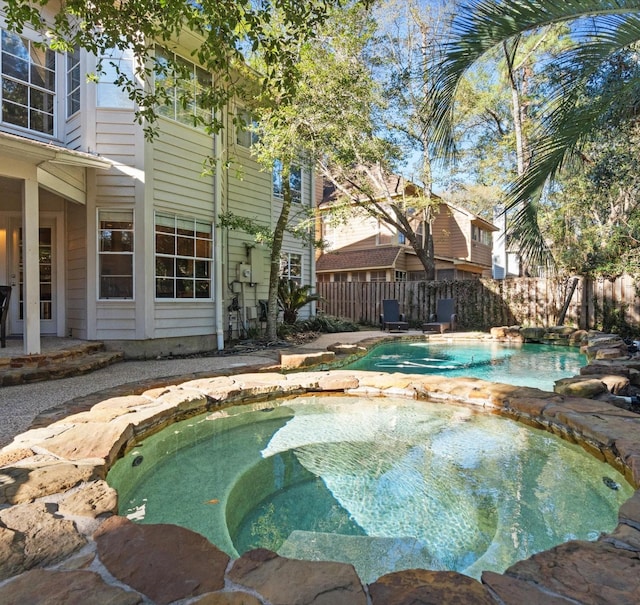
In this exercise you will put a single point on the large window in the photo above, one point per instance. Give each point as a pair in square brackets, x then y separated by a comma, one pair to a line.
[117, 64]
[73, 82]
[185, 86]
[184, 249]
[115, 254]
[28, 84]
[291, 266]
[295, 182]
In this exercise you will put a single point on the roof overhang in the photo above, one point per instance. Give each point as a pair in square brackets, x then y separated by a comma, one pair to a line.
[485, 225]
[472, 267]
[38, 152]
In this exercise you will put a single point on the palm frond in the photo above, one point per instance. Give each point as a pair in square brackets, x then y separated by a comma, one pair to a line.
[482, 25]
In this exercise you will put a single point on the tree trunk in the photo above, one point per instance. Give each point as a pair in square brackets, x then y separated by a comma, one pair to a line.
[424, 248]
[276, 249]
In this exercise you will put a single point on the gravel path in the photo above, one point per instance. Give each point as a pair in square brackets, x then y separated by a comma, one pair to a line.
[19, 405]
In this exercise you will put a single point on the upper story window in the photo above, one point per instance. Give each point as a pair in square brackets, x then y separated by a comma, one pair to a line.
[295, 182]
[28, 84]
[480, 235]
[115, 65]
[246, 134]
[73, 82]
[185, 87]
[402, 239]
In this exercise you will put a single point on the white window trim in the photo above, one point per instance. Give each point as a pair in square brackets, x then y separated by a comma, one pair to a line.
[278, 196]
[30, 37]
[180, 299]
[288, 254]
[132, 253]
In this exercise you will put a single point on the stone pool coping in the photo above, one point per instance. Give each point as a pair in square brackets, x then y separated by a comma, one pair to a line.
[60, 536]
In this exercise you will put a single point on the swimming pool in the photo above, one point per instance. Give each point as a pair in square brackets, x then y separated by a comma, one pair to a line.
[532, 365]
[384, 484]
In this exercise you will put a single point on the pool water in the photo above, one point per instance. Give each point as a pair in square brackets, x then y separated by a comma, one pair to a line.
[382, 483]
[531, 365]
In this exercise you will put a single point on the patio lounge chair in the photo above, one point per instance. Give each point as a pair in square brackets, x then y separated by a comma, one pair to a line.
[444, 317]
[5, 295]
[391, 318]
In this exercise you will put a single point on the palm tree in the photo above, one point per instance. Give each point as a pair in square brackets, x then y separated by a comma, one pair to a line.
[292, 297]
[600, 29]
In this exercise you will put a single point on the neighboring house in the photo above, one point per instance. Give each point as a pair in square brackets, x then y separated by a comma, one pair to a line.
[364, 249]
[107, 236]
[506, 261]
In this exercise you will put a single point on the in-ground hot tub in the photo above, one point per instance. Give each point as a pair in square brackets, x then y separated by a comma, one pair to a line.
[384, 483]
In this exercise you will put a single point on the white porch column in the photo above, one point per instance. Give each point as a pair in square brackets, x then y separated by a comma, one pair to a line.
[31, 266]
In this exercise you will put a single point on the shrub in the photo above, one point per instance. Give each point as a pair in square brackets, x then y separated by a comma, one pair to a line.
[327, 324]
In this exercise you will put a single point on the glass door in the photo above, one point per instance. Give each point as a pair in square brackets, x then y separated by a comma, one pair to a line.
[46, 238]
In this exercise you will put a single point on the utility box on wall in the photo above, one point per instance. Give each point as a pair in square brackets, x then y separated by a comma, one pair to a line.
[243, 273]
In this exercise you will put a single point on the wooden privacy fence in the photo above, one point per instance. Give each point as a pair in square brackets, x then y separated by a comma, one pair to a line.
[484, 303]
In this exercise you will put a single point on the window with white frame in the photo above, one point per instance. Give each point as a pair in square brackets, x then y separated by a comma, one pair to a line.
[115, 254]
[246, 128]
[115, 64]
[73, 82]
[295, 181]
[28, 84]
[185, 85]
[184, 249]
[291, 266]
[480, 235]
[400, 276]
[378, 276]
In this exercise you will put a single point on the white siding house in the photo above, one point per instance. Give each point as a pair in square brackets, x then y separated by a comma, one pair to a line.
[105, 235]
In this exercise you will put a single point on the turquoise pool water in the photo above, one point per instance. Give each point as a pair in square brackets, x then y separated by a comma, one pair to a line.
[530, 365]
[382, 483]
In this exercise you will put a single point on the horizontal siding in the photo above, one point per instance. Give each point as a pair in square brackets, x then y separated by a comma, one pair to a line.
[76, 272]
[460, 235]
[116, 141]
[184, 319]
[115, 320]
[481, 253]
[178, 156]
[248, 194]
[359, 233]
[70, 175]
[73, 133]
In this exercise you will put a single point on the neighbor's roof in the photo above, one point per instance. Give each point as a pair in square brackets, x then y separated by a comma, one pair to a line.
[378, 258]
[395, 185]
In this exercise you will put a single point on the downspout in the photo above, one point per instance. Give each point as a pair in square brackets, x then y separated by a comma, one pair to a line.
[217, 264]
[312, 202]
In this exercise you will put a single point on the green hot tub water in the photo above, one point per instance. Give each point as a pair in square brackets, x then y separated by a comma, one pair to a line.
[382, 483]
[531, 365]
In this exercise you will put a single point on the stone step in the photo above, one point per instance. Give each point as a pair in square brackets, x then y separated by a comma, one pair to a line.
[370, 555]
[59, 364]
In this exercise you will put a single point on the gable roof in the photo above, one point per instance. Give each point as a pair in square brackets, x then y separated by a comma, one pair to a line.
[377, 258]
[394, 185]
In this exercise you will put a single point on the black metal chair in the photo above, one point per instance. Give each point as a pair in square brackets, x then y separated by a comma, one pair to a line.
[5, 296]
